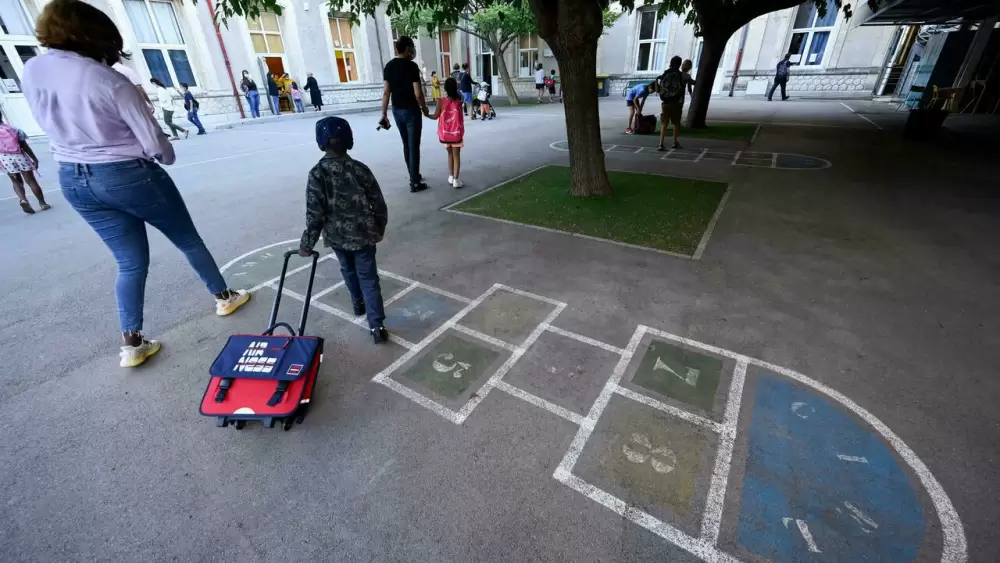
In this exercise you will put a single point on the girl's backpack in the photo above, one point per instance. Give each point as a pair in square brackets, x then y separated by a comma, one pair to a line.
[549, 81]
[451, 125]
[9, 142]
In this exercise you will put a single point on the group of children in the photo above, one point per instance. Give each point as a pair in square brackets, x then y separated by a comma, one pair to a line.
[671, 86]
[344, 203]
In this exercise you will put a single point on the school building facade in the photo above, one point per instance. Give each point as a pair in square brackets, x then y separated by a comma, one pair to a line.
[178, 41]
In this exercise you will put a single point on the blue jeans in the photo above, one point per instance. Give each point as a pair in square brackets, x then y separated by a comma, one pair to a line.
[253, 98]
[299, 108]
[410, 122]
[276, 100]
[193, 118]
[361, 278]
[117, 199]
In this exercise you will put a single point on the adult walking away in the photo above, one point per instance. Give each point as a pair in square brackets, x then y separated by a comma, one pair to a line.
[274, 93]
[781, 77]
[191, 107]
[107, 146]
[465, 87]
[671, 86]
[401, 83]
[19, 162]
[166, 102]
[315, 94]
[249, 88]
[540, 81]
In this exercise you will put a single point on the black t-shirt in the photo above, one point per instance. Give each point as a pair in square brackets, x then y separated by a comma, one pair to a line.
[401, 73]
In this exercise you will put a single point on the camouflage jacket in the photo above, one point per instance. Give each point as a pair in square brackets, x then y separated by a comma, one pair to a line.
[345, 204]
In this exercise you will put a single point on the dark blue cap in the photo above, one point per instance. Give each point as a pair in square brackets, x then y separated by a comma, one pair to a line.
[334, 133]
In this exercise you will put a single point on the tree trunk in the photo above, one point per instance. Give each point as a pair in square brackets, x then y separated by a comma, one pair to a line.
[572, 28]
[505, 76]
[712, 49]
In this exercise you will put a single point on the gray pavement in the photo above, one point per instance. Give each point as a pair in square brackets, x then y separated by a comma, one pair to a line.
[817, 387]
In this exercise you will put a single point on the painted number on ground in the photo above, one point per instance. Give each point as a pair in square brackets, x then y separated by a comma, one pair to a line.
[443, 364]
[640, 450]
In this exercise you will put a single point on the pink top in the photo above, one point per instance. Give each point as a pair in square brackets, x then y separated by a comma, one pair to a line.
[91, 113]
[296, 94]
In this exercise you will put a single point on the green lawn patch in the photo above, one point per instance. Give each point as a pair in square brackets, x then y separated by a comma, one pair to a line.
[721, 131]
[647, 210]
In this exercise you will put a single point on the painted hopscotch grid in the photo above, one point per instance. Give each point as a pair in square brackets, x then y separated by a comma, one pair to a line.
[754, 159]
[954, 546]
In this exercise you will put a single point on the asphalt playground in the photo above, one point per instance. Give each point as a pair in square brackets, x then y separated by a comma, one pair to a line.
[814, 384]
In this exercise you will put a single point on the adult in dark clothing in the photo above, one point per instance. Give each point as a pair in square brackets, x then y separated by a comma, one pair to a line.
[315, 95]
[274, 93]
[249, 88]
[781, 77]
[465, 83]
[401, 82]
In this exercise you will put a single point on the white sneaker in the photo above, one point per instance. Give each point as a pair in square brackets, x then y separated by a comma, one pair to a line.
[225, 307]
[133, 356]
[457, 183]
[451, 180]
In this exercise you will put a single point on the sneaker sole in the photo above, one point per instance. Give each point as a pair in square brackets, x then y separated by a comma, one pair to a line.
[232, 308]
[139, 360]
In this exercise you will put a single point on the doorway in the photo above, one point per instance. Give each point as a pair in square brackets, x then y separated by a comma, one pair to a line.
[13, 55]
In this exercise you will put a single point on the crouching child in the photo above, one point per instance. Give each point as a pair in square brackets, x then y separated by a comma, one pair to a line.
[345, 205]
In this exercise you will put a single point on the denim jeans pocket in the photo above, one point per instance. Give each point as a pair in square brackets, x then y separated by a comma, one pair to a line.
[129, 189]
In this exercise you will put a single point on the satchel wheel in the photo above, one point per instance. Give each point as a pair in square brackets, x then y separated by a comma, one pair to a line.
[240, 424]
[286, 424]
[300, 418]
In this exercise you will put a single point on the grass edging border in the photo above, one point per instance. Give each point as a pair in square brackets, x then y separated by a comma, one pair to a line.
[699, 250]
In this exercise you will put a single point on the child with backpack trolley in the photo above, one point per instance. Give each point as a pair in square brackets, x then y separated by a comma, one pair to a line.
[19, 162]
[451, 129]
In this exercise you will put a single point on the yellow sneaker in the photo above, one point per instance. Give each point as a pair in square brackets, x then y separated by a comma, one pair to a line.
[133, 356]
[225, 307]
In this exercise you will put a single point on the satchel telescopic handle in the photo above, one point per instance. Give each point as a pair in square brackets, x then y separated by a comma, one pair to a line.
[281, 285]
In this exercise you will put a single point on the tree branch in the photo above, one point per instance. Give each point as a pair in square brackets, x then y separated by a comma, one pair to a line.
[470, 31]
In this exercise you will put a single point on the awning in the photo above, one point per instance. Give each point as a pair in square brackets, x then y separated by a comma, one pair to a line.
[920, 12]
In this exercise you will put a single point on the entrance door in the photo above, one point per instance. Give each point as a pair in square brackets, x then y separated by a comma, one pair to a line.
[15, 107]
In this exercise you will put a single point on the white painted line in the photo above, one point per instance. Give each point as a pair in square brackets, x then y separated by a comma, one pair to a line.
[275, 279]
[539, 402]
[565, 468]
[359, 321]
[567, 233]
[447, 294]
[530, 295]
[755, 133]
[737, 157]
[396, 277]
[667, 156]
[478, 397]
[491, 188]
[383, 376]
[695, 344]
[711, 226]
[712, 519]
[701, 549]
[954, 548]
[412, 395]
[402, 293]
[254, 251]
[774, 160]
[609, 148]
[862, 116]
[332, 288]
[673, 411]
[852, 458]
[701, 155]
[278, 146]
[485, 337]
[586, 340]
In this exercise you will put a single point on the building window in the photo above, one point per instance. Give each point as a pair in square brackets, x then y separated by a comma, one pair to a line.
[14, 18]
[652, 55]
[810, 33]
[159, 36]
[487, 64]
[343, 49]
[265, 34]
[527, 53]
[444, 50]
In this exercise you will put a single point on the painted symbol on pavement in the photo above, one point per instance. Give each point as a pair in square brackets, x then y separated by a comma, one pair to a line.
[442, 367]
[662, 458]
[800, 406]
[804, 530]
[691, 378]
[861, 518]
[419, 313]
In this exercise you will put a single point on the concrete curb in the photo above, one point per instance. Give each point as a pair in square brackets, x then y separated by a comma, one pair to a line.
[291, 116]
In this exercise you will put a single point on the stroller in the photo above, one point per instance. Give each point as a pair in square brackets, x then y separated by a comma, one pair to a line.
[481, 106]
